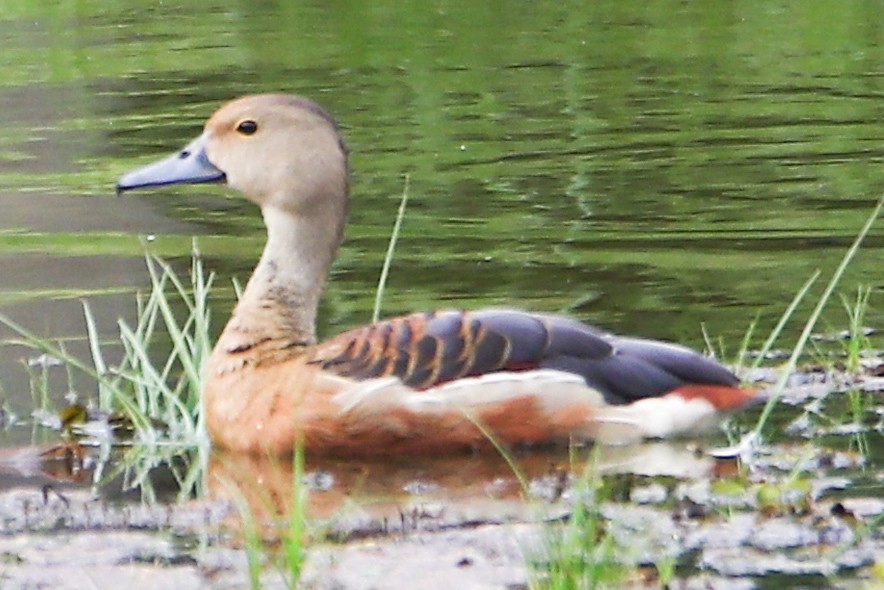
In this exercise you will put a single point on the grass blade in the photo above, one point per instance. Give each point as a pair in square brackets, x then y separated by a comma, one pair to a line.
[388, 258]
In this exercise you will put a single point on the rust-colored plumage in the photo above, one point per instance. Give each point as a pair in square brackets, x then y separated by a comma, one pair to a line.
[424, 382]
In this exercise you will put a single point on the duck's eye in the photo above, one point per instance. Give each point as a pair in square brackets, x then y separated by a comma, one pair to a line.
[247, 127]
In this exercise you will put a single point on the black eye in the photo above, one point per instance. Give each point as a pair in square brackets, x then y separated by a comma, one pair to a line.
[247, 127]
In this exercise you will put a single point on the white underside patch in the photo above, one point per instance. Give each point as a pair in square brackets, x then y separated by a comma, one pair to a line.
[553, 389]
[657, 417]
[653, 417]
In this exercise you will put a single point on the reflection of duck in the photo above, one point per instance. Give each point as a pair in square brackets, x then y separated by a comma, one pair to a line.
[353, 497]
[417, 383]
[44, 464]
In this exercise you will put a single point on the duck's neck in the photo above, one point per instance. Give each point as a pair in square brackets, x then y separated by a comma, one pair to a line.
[282, 296]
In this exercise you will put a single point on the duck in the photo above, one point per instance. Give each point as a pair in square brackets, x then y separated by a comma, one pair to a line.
[438, 381]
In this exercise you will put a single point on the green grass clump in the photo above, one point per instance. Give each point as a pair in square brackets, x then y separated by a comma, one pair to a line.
[857, 339]
[580, 553]
[811, 322]
[156, 393]
[160, 397]
[280, 544]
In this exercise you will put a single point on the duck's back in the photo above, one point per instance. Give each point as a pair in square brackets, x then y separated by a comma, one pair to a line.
[425, 350]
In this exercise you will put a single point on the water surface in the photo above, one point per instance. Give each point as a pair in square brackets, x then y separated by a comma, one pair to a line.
[657, 169]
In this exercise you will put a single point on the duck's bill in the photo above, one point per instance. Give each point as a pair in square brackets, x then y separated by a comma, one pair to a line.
[190, 165]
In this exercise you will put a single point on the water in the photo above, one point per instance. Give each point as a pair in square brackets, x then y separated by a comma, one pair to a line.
[655, 170]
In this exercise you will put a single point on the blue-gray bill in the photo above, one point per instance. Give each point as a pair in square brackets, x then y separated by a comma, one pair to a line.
[190, 165]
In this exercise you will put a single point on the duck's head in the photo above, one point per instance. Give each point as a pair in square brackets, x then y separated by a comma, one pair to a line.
[282, 152]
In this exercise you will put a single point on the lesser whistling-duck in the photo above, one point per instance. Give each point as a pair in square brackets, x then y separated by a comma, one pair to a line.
[417, 383]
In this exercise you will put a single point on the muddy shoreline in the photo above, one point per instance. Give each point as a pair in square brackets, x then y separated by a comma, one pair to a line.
[81, 542]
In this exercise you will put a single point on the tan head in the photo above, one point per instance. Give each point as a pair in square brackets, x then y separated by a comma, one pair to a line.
[280, 151]
[286, 154]
[274, 146]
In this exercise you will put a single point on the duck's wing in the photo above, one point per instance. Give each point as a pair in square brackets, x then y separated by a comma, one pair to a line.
[425, 350]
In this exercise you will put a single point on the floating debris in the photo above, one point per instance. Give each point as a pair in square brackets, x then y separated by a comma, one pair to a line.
[45, 361]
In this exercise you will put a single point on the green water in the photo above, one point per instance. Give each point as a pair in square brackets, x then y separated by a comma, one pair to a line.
[655, 168]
